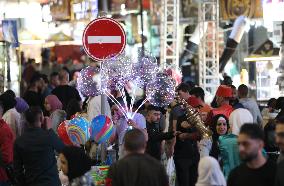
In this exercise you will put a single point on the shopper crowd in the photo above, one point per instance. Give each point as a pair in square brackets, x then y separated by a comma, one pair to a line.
[246, 148]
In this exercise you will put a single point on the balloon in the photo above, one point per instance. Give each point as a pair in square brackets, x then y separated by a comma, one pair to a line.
[89, 81]
[116, 72]
[161, 91]
[145, 69]
[62, 132]
[78, 131]
[175, 74]
[101, 128]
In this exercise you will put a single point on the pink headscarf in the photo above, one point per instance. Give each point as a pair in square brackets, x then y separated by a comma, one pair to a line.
[54, 102]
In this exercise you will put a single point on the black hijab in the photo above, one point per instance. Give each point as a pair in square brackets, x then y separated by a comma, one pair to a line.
[8, 100]
[78, 162]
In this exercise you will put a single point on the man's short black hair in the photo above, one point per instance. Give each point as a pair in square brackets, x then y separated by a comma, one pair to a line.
[271, 102]
[31, 115]
[53, 74]
[183, 87]
[119, 100]
[36, 77]
[154, 108]
[243, 90]
[191, 84]
[11, 93]
[279, 103]
[198, 92]
[227, 81]
[134, 140]
[45, 78]
[253, 131]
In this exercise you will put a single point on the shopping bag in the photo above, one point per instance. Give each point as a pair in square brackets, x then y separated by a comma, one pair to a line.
[171, 171]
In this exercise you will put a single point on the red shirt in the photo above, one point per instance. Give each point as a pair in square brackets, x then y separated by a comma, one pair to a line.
[7, 139]
[224, 109]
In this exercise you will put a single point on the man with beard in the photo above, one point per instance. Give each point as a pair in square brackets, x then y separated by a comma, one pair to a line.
[280, 142]
[223, 95]
[279, 130]
[155, 133]
[256, 169]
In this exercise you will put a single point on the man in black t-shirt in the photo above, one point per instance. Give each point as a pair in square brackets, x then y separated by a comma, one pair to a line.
[33, 95]
[64, 92]
[256, 169]
[136, 168]
[155, 133]
[186, 154]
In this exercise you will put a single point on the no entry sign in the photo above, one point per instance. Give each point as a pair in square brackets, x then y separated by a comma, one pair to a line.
[103, 38]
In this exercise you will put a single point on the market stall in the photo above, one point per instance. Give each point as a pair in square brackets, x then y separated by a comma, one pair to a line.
[264, 74]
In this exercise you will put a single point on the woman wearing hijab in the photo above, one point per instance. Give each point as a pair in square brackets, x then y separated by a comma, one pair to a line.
[76, 165]
[10, 114]
[21, 107]
[53, 107]
[52, 103]
[209, 173]
[228, 144]
[220, 127]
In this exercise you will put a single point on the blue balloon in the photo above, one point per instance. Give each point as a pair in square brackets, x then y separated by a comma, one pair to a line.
[78, 131]
[101, 129]
[97, 124]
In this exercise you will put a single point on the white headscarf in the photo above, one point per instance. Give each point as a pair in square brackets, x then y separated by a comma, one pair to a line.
[238, 118]
[209, 173]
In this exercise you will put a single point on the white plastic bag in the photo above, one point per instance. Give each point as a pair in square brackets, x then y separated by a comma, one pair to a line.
[171, 171]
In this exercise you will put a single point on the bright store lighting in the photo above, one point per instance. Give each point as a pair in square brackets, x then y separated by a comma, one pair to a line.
[250, 59]
[122, 6]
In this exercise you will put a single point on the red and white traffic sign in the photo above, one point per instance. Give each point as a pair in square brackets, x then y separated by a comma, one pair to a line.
[103, 38]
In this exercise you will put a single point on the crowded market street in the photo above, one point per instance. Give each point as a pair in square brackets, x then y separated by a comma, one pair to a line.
[141, 92]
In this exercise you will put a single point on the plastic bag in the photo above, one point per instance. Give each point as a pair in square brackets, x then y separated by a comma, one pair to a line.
[171, 171]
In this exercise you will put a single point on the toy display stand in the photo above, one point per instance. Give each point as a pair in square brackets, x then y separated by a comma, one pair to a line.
[99, 174]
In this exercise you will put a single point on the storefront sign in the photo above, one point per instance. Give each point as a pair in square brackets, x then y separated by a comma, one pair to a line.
[231, 9]
[10, 33]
